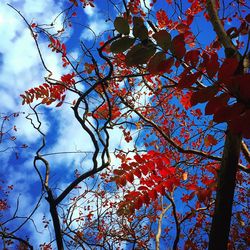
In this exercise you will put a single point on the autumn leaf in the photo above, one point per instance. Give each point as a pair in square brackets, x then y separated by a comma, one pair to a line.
[185, 100]
[139, 29]
[158, 64]
[122, 44]
[209, 140]
[228, 68]
[163, 39]
[121, 25]
[216, 103]
[203, 95]
[192, 57]
[178, 46]
[184, 176]
[212, 65]
[139, 54]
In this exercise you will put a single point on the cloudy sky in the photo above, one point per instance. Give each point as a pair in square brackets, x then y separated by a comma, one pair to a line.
[21, 69]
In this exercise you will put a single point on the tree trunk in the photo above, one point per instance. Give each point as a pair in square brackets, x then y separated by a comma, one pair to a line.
[55, 219]
[220, 228]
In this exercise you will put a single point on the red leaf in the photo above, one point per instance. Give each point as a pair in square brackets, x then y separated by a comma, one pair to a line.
[203, 194]
[216, 103]
[190, 19]
[164, 172]
[126, 167]
[130, 177]
[155, 63]
[185, 100]
[165, 66]
[188, 197]
[137, 173]
[64, 49]
[241, 124]
[212, 66]
[203, 95]
[172, 170]
[244, 85]
[163, 39]
[210, 141]
[103, 112]
[118, 172]
[244, 28]
[162, 19]
[188, 80]
[74, 2]
[145, 198]
[191, 186]
[228, 68]
[143, 188]
[152, 194]
[122, 181]
[229, 113]
[59, 104]
[169, 184]
[192, 57]
[138, 158]
[182, 28]
[144, 169]
[138, 202]
[160, 189]
[178, 46]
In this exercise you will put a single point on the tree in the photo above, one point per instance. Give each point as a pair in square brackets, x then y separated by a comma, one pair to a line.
[184, 180]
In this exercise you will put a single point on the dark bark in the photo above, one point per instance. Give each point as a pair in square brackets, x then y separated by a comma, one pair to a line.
[220, 228]
[55, 219]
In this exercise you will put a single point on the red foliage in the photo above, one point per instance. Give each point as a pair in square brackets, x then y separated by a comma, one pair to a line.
[57, 46]
[50, 93]
[155, 174]
[163, 20]
[106, 112]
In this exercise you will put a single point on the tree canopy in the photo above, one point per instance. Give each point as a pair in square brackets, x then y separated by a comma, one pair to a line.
[169, 80]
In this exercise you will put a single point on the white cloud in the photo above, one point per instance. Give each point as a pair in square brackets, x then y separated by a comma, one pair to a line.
[71, 138]
[96, 24]
[89, 11]
[21, 69]
[7, 102]
[145, 4]
[96, 27]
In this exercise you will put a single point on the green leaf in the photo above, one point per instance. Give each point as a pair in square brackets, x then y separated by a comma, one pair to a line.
[139, 29]
[122, 44]
[121, 25]
[163, 39]
[139, 54]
